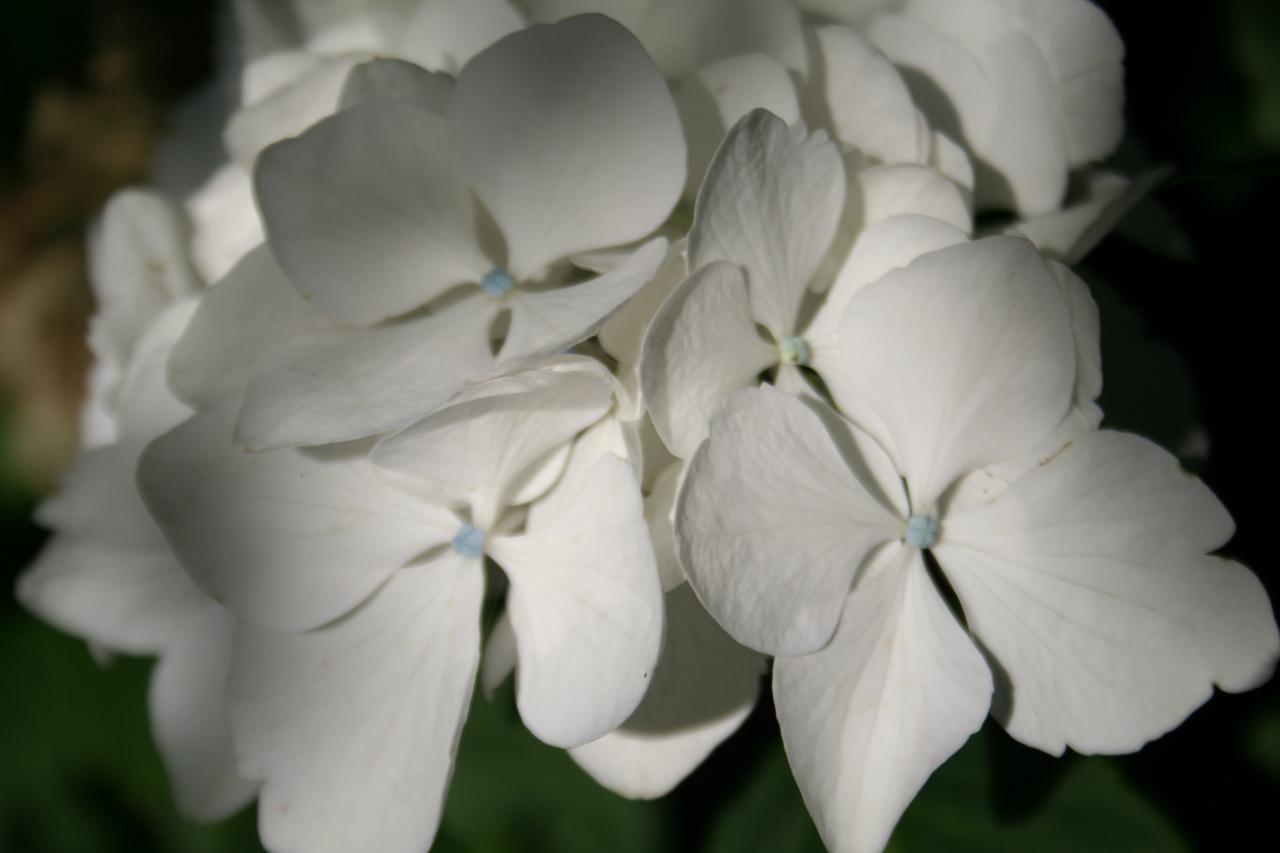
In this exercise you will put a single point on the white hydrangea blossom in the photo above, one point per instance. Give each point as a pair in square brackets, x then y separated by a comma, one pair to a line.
[494, 285]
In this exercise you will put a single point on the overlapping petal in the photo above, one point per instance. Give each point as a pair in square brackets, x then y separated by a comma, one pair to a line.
[1088, 583]
[368, 212]
[770, 204]
[585, 605]
[963, 358]
[867, 719]
[703, 688]
[354, 726]
[252, 310]
[290, 539]
[346, 384]
[701, 346]
[774, 563]
[569, 136]
[479, 452]
[187, 702]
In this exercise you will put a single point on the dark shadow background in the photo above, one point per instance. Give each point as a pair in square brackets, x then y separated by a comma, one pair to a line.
[1188, 339]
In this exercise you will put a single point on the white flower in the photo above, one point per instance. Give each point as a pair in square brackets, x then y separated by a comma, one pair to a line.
[769, 213]
[107, 574]
[1084, 580]
[359, 577]
[371, 215]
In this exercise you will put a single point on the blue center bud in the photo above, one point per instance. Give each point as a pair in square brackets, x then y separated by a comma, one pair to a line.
[793, 350]
[922, 531]
[497, 282]
[469, 541]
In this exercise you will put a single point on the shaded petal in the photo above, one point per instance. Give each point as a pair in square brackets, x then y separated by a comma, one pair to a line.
[188, 717]
[126, 600]
[550, 321]
[289, 539]
[586, 608]
[963, 358]
[1070, 234]
[867, 719]
[897, 189]
[251, 311]
[443, 34]
[570, 138]
[770, 204]
[368, 212]
[883, 247]
[682, 36]
[701, 345]
[226, 221]
[774, 563]
[351, 383]
[397, 80]
[870, 105]
[139, 265]
[289, 110]
[713, 99]
[1086, 580]
[703, 688]
[659, 513]
[479, 452]
[354, 727]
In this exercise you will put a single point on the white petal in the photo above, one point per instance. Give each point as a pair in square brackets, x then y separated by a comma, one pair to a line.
[659, 512]
[187, 702]
[289, 538]
[132, 601]
[252, 310]
[147, 407]
[354, 726]
[774, 563]
[701, 346]
[683, 36]
[586, 607]
[397, 80]
[287, 111]
[712, 100]
[704, 686]
[867, 719]
[870, 105]
[1086, 580]
[1071, 233]
[96, 503]
[479, 452]
[443, 34]
[880, 249]
[569, 136]
[351, 383]
[961, 359]
[500, 656]
[1026, 152]
[1084, 53]
[770, 204]
[138, 266]
[622, 335]
[226, 221]
[550, 321]
[368, 213]
[897, 189]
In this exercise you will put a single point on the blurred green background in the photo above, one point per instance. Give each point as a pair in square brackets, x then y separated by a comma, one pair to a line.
[1189, 330]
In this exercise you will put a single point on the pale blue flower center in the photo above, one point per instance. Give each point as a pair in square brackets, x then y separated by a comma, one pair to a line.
[469, 541]
[922, 531]
[793, 350]
[497, 282]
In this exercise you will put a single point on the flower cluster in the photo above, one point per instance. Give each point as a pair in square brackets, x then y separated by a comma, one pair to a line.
[663, 329]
